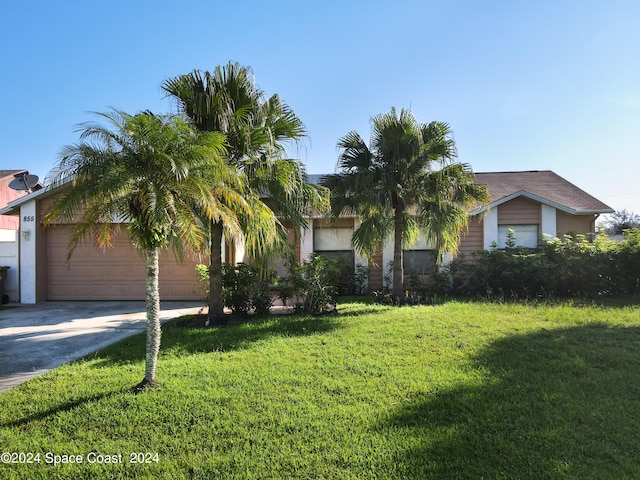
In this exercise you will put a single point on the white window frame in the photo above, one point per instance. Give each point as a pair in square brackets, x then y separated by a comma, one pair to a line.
[332, 239]
[525, 235]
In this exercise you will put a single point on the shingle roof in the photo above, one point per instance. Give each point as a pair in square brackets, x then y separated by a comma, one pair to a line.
[542, 185]
[7, 173]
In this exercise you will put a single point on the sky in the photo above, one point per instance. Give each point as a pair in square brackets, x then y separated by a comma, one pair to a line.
[545, 85]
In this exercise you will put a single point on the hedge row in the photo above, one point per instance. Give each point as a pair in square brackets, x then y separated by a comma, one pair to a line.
[571, 266]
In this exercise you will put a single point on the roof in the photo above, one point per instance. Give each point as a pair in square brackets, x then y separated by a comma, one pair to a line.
[13, 207]
[314, 178]
[8, 173]
[543, 186]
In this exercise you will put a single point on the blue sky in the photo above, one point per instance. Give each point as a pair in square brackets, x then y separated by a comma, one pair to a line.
[524, 85]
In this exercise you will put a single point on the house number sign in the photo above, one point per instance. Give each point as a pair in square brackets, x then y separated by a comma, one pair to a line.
[28, 218]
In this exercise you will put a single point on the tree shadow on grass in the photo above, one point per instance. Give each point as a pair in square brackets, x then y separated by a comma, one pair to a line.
[178, 340]
[25, 422]
[554, 404]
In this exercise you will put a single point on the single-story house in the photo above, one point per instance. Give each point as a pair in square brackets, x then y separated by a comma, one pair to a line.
[530, 203]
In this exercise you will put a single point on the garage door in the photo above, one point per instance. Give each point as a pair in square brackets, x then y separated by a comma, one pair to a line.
[112, 274]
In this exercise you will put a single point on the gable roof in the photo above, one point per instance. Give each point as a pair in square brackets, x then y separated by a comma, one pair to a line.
[543, 186]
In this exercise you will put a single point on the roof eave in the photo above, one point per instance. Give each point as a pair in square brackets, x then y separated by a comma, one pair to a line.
[531, 196]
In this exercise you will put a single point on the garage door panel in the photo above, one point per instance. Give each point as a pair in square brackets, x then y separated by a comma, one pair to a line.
[112, 274]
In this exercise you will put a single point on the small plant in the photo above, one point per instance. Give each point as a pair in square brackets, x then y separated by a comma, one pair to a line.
[361, 279]
[202, 274]
[285, 290]
[385, 296]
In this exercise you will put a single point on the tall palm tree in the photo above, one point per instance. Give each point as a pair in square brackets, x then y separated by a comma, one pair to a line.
[258, 131]
[404, 182]
[153, 174]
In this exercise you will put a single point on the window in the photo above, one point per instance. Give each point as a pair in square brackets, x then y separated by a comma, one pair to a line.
[331, 239]
[8, 235]
[334, 242]
[525, 235]
[419, 262]
[420, 259]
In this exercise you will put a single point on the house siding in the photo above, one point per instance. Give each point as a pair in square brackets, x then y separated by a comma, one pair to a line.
[566, 223]
[338, 223]
[473, 238]
[37, 259]
[519, 211]
[375, 273]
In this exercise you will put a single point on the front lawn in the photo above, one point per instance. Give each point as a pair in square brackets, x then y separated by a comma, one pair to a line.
[460, 390]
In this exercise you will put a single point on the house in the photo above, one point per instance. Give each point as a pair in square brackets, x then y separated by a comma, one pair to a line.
[9, 226]
[530, 203]
[91, 273]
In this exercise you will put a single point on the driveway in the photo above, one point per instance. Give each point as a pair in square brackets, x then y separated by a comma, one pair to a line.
[36, 338]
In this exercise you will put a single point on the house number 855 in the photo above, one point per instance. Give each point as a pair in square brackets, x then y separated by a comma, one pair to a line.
[28, 218]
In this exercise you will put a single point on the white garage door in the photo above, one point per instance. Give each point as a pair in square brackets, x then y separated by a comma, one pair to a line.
[112, 274]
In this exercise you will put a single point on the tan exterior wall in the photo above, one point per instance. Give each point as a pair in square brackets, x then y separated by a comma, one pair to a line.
[293, 238]
[375, 273]
[566, 223]
[338, 223]
[473, 238]
[519, 211]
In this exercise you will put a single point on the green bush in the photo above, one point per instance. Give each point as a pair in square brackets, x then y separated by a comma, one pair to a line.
[571, 266]
[315, 281]
[244, 287]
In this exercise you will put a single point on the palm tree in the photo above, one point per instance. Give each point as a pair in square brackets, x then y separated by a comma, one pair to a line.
[258, 131]
[153, 174]
[396, 189]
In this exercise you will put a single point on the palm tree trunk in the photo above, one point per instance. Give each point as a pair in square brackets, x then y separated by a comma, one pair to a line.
[216, 304]
[153, 319]
[398, 270]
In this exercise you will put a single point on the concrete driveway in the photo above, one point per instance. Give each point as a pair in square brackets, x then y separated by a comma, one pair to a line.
[36, 338]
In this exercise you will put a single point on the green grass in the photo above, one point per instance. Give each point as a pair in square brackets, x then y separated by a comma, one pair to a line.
[461, 390]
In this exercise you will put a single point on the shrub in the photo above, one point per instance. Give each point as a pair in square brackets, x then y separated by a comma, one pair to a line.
[315, 281]
[571, 266]
[244, 287]
[361, 280]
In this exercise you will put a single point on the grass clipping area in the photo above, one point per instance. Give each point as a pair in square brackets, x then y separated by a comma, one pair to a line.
[458, 390]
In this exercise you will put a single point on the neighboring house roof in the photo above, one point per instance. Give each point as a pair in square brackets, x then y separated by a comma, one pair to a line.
[8, 195]
[7, 173]
[13, 207]
[543, 186]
